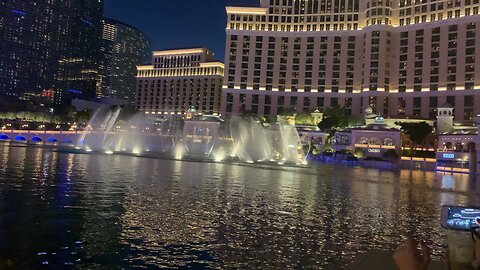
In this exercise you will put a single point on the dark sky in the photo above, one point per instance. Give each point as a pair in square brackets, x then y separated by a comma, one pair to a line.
[177, 23]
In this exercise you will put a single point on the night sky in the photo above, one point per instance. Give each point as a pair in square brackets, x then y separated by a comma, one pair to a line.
[177, 23]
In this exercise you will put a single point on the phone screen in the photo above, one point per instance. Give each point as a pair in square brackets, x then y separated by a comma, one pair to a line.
[460, 218]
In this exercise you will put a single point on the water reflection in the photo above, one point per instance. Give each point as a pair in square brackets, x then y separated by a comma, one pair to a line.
[95, 212]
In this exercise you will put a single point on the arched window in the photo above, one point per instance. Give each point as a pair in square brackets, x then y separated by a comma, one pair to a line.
[20, 138]
[388, 142]
[448, 146]
[36, 139]
[362, 140]
[375, 141]
[472, 147]
[458, 147]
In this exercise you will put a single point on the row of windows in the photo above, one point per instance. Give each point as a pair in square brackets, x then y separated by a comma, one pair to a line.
[317, 6]
[177, 61]
[308, 104]
[295, 27]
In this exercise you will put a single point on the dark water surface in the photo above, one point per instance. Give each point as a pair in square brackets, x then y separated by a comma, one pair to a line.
[64, 211]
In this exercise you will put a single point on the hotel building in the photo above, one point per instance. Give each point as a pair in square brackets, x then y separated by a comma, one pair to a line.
[178, 80]
[124, 48]
[400, 57]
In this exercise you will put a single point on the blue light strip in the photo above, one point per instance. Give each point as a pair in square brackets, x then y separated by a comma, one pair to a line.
[19, 12]
[87, 22]
[75, 91]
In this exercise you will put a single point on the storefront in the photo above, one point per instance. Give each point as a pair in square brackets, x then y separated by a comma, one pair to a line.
[457, 153]
[456, 162]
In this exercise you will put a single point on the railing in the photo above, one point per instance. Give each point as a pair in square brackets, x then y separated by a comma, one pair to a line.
[453, 169]
[359, 145]
[40, 132]
[419, 159]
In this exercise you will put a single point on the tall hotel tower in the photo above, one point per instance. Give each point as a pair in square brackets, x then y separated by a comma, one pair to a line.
[399, 57]
[179, 80]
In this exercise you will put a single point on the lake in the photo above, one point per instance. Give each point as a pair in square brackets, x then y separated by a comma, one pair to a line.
[73, 211]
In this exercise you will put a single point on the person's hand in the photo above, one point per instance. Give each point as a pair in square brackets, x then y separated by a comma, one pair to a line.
[477, 254]
[477, 249]
[408, 257]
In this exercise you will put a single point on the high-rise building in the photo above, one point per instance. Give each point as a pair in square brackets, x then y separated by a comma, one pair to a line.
[80, 73]
[179, 80]
[400, 57]
[125, 47]
[40, 41]
[32, 36]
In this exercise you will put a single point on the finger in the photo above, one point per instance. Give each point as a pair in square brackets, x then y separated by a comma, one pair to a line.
[426, 254]
[400, 250]
[411, 243]
[477, 249]
[447, 259]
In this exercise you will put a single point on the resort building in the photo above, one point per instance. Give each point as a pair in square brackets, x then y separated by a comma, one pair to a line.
[402, 58]
[178, 80]
[373, 140]
[457, 145]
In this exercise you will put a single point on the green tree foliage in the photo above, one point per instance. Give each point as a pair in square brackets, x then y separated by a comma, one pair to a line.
[286, 112]
[30, 117]
[356, 120]
[82, 116]
[391, 155]
[304, 119]
[334, 118]
[417, 132]
[358, 153]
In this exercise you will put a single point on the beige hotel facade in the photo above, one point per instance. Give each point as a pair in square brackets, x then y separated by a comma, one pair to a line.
[400, 57]
[178, 80]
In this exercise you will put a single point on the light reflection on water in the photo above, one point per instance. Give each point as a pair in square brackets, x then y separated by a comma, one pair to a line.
[62, 210]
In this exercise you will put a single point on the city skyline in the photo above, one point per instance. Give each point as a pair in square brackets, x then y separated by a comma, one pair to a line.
[200, 24]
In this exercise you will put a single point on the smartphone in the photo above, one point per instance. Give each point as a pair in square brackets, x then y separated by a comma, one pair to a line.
[460, 218]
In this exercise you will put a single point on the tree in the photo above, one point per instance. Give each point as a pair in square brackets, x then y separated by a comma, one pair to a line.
[333, 118]
[417, 132]
[391, 155]
[83, 116]
[356, 120]
[358, 153]
[304, 119]
[286, 111]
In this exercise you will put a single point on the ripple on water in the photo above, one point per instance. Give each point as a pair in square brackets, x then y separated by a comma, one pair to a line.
[97, 212]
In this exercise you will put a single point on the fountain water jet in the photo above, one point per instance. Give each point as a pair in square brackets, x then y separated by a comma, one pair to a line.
[204, 137]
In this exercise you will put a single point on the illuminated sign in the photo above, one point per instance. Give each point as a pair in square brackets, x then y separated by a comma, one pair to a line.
[448, 155]
[374, 150]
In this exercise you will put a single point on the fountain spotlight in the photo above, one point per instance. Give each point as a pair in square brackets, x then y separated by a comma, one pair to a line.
[136, 151]
[109, 152]
[88, 149]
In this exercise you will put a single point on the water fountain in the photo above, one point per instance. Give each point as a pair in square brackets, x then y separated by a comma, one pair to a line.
[243, 139]
[250, 140]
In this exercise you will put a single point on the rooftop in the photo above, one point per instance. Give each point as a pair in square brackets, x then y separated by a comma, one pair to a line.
[176, 51]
